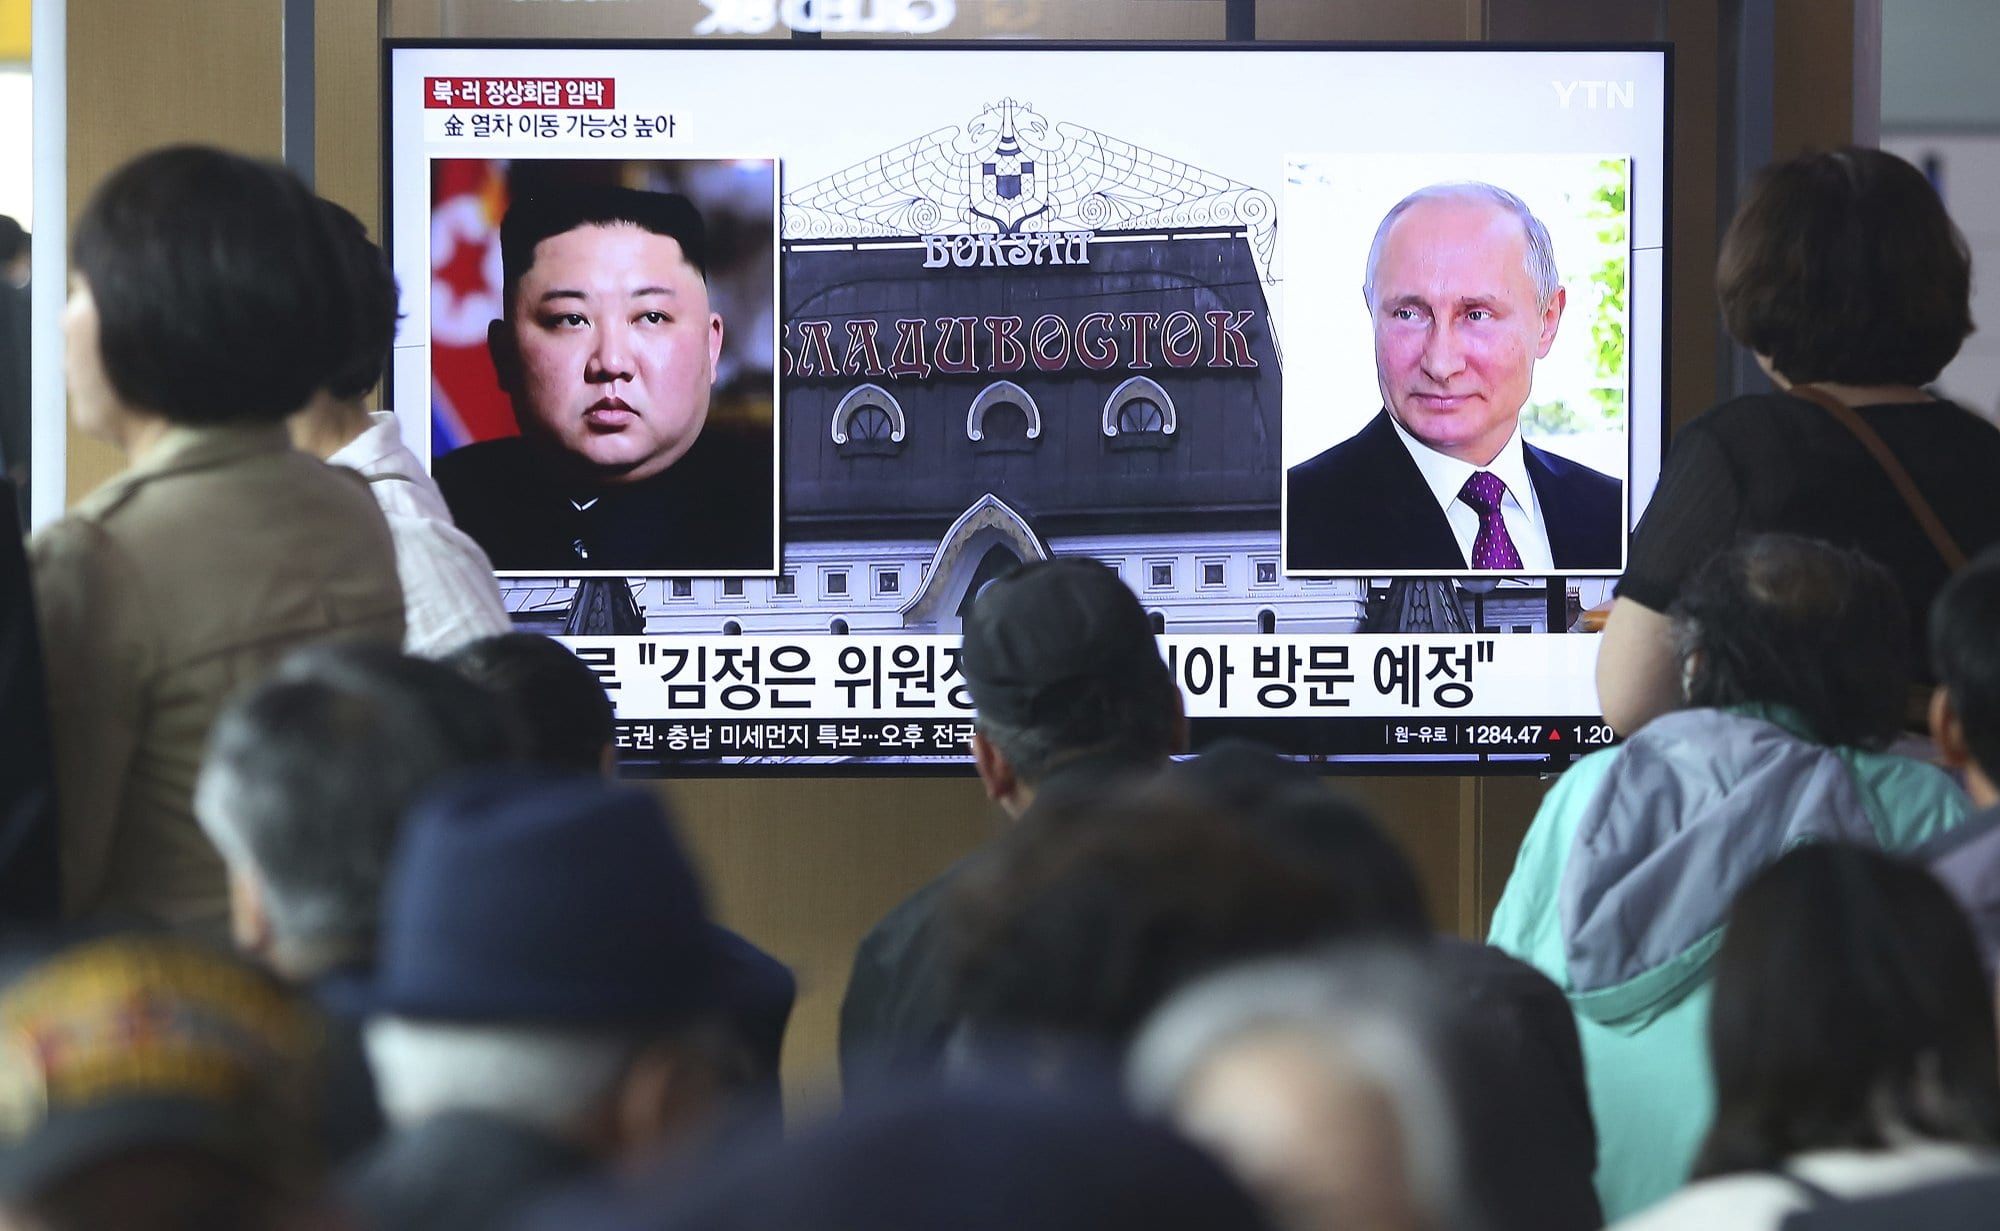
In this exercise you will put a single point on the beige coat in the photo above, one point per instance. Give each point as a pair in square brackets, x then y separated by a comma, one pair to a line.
[162, 592]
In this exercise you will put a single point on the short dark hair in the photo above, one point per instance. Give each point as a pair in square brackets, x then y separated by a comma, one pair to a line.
[219, 291]
[1092, 910]
[13, 238]
[553, 211]
[1781, 620]
[371, 285]
[562, 703]
[1850, 1008]
[1965, 652]
[1842, 265]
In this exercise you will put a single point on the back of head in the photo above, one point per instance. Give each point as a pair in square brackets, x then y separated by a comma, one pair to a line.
[13, 239]
[1850, 1010]
[220, 293]
[1842, 265]
[465, 713]
[1965, 651]
[1324, 1081]
[569, 717]
[1778, 620]
[143, 1064]
[532, 897]
[308, 775]
[547, 210]
[1061, 661]
[1296, 817]
[973, 1159]
[1087, 915]
[371, 288]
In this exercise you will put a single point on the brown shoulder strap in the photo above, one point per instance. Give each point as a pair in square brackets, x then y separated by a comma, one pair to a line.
[1906, 487]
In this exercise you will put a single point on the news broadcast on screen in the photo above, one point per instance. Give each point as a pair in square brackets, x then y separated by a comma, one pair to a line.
[750, 364]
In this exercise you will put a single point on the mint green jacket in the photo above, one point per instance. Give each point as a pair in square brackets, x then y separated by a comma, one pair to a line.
[1622, 884]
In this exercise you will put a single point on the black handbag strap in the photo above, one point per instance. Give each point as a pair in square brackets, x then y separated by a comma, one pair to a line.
[1906, 487]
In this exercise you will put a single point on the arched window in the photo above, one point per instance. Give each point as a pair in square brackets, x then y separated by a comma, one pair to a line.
[731, 628]
[1267, 621]
[1003, 416]
[869, 421]
[1139, 414]
[837, 626]
[1159, 622]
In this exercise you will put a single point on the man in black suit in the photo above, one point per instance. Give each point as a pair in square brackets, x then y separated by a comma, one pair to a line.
[1463, 291]
[608, 351]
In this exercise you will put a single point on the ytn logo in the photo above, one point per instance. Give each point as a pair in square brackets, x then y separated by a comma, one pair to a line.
[1606, 94]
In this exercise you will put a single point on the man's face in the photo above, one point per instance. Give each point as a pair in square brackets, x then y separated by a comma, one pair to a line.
[609, 350]
[1457, 328]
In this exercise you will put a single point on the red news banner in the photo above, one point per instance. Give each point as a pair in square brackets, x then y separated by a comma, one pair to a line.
[538, 93]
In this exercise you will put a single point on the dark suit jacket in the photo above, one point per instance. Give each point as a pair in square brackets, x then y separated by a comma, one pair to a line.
[1363, 505]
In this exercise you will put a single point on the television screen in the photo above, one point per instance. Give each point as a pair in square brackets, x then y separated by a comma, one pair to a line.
[750, 364]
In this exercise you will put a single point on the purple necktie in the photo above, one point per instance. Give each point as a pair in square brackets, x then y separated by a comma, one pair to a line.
[1492, 548]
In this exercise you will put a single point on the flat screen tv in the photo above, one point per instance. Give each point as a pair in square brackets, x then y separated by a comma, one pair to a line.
[1246, 322]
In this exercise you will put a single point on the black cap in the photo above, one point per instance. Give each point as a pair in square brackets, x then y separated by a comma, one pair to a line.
[1058, 641]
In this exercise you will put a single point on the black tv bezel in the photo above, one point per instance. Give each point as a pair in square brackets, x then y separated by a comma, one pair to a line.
[1475, 766]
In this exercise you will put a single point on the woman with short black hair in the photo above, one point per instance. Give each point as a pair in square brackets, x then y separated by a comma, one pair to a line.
[206, 305]
[1853, 1044]
[1843, 274]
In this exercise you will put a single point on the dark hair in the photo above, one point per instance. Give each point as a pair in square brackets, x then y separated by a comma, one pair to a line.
[464, 713]
[568, 716]
[1843, 266]
[1850, 1008]
[1090, 913]
[164, 1187]
[371, 286]
[13, 239]
[1286, 806]
[552, 211]
[219, 291]
[1788, 621]
[1965, 652]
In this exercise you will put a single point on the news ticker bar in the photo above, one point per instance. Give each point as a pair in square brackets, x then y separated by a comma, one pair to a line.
[1414, 679]
[1536, 742]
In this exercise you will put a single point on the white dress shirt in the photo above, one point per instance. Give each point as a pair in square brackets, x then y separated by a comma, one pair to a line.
[449, 595]
[1446, 477]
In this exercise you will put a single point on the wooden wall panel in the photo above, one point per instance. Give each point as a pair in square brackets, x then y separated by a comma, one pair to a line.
[804, 867]
[145, 75]
[1813, 79]
[347, 109]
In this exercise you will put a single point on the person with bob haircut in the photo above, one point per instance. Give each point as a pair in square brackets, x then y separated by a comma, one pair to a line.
[1845, 277]
[206, 304]
[449, 594]
[1853, 1045]
[1791, 653]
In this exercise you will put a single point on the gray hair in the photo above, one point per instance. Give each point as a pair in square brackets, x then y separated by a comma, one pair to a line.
[308, 775]
[543, 1077]
[1541, 261]
[1375, 1009]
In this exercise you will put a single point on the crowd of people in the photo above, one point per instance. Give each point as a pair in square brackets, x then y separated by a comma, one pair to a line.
[321, 905]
